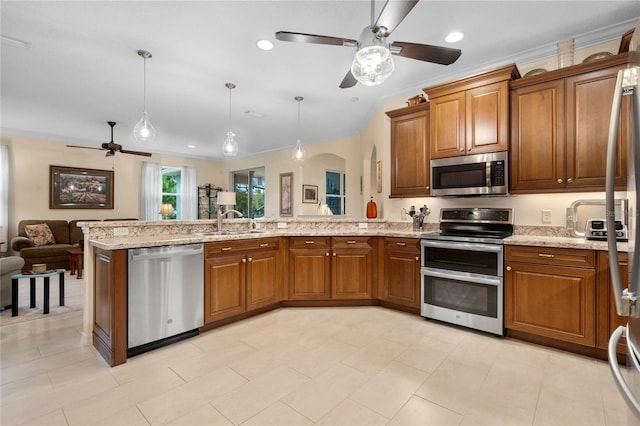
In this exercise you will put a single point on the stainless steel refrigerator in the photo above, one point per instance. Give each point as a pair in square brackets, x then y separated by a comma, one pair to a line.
[626, 299]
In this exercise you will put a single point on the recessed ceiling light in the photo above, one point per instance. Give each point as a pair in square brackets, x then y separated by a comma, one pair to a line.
[191, 146]
[264, 45]
[454, 37]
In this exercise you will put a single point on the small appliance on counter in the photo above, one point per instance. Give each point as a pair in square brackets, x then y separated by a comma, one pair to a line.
[596, 229]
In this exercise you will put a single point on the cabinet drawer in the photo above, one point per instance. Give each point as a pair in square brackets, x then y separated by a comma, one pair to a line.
[402, 244]
[350, 242]
[555, 256]
[222, 248]
[309, 242]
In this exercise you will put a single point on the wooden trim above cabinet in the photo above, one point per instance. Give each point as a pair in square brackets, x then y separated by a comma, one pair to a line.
[509, 72]
[408, 110]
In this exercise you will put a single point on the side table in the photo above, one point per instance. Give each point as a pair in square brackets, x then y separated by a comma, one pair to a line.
[32, 290]
[76, 261]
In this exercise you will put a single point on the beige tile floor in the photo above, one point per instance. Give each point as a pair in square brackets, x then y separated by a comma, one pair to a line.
[330, 366]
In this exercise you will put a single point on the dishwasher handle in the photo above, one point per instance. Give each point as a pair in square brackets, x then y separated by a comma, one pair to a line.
[164, 253]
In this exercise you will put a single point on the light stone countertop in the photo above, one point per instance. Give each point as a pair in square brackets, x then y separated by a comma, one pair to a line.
[561, 242]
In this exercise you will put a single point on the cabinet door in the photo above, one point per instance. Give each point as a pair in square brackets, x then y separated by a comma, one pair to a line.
[551, 301]
[262, 280]
[447, 135]
[608, 319]
[537, 155]
[309, 274]
[588, 111]
[410, 153]
[351, 272]
[224, 287]
[401, 283]
[487, 115]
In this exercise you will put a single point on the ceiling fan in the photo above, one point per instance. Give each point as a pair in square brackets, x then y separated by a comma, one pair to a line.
[112, 147]
[372, 63]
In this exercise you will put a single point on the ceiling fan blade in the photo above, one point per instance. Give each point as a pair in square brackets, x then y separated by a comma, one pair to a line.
[316, 39]
[348, 81]
[83, 147]
[393, 12]
[144, 154]
[426, 52]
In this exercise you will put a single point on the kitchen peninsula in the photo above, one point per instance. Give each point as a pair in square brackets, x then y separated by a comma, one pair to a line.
[365, 251]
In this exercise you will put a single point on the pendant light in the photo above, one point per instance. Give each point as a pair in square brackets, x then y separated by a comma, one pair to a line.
[144, 130]
[230, 146]
[298, 153]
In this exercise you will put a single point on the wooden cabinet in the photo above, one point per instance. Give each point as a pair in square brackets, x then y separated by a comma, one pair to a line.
[351, 268]
[410, 151]
[550, 292]
[471, 115]
[608, 318]
[401, 275]
[110, 305]
[323, 268]
[309, 268]
[240, 276]
[560, 124]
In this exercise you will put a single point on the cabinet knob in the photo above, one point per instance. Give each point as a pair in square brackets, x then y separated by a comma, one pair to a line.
[427, 187]
[508, 268]
[326, 254]
[560, 181]
[461, 149]
[417, 258]
[569, 180]
[250, 259]
[334, 255]
[244, 260]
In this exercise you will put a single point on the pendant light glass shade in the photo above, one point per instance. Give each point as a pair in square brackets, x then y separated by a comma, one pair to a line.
[230, 146]
[373, 62]
[298, 153]
[144, 130]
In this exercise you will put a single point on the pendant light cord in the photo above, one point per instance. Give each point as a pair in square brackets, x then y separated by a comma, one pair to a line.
[144, 84]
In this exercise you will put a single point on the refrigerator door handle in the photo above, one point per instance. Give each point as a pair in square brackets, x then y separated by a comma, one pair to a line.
[626, 392]
[627, 81]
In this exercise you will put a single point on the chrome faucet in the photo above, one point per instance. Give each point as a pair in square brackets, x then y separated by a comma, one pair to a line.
[221, 215]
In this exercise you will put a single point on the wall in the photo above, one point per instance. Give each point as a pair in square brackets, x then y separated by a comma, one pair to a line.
[30, 159]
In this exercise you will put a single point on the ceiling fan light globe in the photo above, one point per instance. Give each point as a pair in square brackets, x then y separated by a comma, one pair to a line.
[144, 130]
[372, 65]
[230, 146]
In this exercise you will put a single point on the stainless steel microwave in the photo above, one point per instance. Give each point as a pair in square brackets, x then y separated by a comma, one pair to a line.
[479, 174]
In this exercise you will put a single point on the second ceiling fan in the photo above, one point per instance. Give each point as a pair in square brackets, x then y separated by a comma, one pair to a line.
[372, 63]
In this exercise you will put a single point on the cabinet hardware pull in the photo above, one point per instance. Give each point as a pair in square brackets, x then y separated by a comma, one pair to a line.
[548, 256]
[559, 180]
[326, 254]
[244, 260]
[401, 244]
[334, 255]
[309, 242]
[461, 149]
[417, 258]
[250, 259]
[225, 248]
[569, 180]
[508, 268]
[351, 241]
[427, 187]
[264, 245]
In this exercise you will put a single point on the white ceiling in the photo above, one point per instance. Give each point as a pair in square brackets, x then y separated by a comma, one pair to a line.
[82, 70]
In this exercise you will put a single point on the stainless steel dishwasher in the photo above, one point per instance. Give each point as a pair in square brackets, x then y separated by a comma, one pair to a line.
[165, 295]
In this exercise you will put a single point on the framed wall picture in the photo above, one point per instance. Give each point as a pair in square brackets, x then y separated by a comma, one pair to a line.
[286, 201]
[78, 188]
[310, 194]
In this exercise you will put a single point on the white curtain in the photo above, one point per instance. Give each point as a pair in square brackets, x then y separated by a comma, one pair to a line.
[150, 191]
[188, 207]
[4, 196]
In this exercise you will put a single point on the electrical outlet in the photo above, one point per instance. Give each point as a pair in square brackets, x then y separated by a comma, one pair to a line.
[120, 231]
[363, 225]
[546, 216]
[282, 225]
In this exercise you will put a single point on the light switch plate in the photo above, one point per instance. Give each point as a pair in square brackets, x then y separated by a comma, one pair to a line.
[546, 216]
[120, 231]
[282, 225]
[363, 225]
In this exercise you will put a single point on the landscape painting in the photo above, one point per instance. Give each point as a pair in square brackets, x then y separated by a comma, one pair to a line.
[77, 188]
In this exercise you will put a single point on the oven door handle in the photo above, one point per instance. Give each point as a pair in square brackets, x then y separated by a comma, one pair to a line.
[457, 245]
[448, 275]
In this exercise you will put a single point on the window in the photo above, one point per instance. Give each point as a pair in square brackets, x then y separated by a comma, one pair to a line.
[249, 187]
[171, 189]
[335, 192]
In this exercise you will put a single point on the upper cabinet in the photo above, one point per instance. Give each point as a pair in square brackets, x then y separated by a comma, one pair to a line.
[410, 151]
[471, 115]
[559, 129]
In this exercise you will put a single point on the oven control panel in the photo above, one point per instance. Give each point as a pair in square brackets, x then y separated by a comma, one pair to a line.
[596, 229]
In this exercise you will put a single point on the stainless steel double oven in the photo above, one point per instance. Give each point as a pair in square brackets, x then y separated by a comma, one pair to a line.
[462, 268]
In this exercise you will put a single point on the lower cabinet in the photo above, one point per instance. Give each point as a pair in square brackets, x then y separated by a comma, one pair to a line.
[551, 292]
[401, 275]
[240, 276]
[608, 318]
[351, 268]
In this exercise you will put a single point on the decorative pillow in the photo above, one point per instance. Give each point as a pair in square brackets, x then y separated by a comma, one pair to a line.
[40, 234]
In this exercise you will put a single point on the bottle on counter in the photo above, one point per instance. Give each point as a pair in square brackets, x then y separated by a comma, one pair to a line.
[372, 209]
